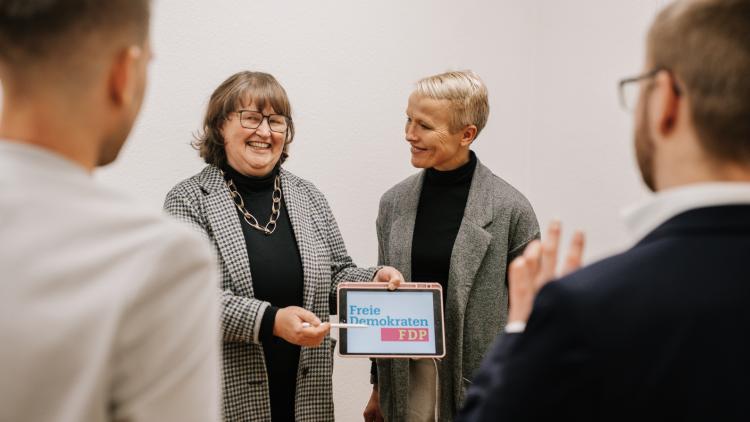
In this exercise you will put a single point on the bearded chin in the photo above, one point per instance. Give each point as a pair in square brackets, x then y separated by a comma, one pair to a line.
[644, 151]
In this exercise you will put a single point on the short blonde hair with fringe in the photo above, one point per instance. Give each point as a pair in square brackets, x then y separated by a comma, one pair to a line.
[466, 93]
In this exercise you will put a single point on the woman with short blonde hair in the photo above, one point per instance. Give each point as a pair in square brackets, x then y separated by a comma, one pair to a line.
[454, 223]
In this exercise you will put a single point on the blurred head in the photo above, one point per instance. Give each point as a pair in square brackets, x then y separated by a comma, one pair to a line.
[87, 57]
[696, 106]
[445, 114]
[248, 124]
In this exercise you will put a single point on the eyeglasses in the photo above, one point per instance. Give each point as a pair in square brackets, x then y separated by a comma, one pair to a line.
[250, 119]
[629, 90]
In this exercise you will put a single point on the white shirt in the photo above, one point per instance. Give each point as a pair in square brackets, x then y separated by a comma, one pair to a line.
[108, 311]
[641, 219]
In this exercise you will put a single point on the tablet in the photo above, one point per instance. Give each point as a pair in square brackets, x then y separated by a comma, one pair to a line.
[403, 323]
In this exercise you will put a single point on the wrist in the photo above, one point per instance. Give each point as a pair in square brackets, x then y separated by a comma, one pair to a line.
[267, 324]
[515, 314]
[515, 326]
[276, 324]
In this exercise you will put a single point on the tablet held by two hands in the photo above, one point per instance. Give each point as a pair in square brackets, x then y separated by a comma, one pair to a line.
[403, 323]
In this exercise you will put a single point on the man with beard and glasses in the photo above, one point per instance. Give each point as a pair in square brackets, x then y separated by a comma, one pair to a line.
[658, 332]
[108, 310]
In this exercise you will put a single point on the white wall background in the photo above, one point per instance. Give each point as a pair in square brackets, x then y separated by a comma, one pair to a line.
[555, 130]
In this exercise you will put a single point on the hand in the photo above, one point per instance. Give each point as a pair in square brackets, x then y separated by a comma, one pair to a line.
[536, 267]
[288, 325]
[389, 275]
[372, 410]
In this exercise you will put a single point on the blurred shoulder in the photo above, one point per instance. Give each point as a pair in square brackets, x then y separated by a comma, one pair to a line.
[608, 280]
[148, 226]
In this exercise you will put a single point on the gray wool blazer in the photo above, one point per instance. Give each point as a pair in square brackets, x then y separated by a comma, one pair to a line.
[498, 222]
[204, 202]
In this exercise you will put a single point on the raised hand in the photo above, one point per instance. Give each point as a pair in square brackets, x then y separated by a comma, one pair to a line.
[536, 267]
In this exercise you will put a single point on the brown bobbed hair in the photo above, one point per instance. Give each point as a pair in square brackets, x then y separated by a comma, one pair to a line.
[240, 90]
[706, 46]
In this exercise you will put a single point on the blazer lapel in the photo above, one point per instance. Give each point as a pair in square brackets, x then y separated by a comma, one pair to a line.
[469, 248]
[402, 230]
[468, 253]
[471, 242]
[295, 199]
[225, 226]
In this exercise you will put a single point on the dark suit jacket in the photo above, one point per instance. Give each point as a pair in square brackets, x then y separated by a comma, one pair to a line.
[659, 332]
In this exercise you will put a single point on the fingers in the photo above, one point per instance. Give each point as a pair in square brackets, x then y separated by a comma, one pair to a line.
[306, 316]
[522, 291]
[533, 256]
[574, 259]
[291, 327]
[394, 283]
[319, 332]
[313, 336]
[537, 267]
[550, 246]
[389, 275]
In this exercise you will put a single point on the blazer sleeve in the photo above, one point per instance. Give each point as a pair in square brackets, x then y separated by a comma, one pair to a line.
[342, 266]
[380, 231]
[241, 316]
[524, 228]
[543, 373]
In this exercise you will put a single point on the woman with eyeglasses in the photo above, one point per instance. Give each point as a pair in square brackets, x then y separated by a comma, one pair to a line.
[280, 252]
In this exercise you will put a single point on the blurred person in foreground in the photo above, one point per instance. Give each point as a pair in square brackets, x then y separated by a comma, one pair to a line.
[108, 310]
[658, 332]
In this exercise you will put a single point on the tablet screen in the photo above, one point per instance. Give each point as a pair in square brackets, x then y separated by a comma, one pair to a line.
[400, 323]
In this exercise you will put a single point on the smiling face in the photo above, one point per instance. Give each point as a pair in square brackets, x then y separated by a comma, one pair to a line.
[252, 152]
[428, 131]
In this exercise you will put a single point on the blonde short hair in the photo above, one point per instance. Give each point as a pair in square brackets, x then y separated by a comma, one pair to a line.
[465, 91]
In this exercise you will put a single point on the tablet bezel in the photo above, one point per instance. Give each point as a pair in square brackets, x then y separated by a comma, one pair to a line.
[438, 315]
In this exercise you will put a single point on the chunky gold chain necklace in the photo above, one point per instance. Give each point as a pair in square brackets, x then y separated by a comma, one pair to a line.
[249, 218]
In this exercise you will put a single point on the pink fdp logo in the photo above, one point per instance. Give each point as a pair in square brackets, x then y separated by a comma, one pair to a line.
[404, 334]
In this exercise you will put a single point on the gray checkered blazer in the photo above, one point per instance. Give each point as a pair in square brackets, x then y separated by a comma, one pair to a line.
[203, 201]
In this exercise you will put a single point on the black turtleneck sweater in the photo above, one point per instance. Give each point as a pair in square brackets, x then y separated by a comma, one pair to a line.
[276, 269]
[439, 214]
[441, 208]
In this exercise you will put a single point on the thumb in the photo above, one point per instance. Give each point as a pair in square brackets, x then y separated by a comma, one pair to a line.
[307, 316]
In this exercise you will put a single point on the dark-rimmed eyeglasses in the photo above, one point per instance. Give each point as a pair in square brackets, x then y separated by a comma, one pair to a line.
[629, 89]
[250, 119]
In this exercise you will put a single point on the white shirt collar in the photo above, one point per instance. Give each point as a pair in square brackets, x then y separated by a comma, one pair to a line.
[644, 217]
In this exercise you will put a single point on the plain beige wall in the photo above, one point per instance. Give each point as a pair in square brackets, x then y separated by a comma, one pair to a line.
[555, 131]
